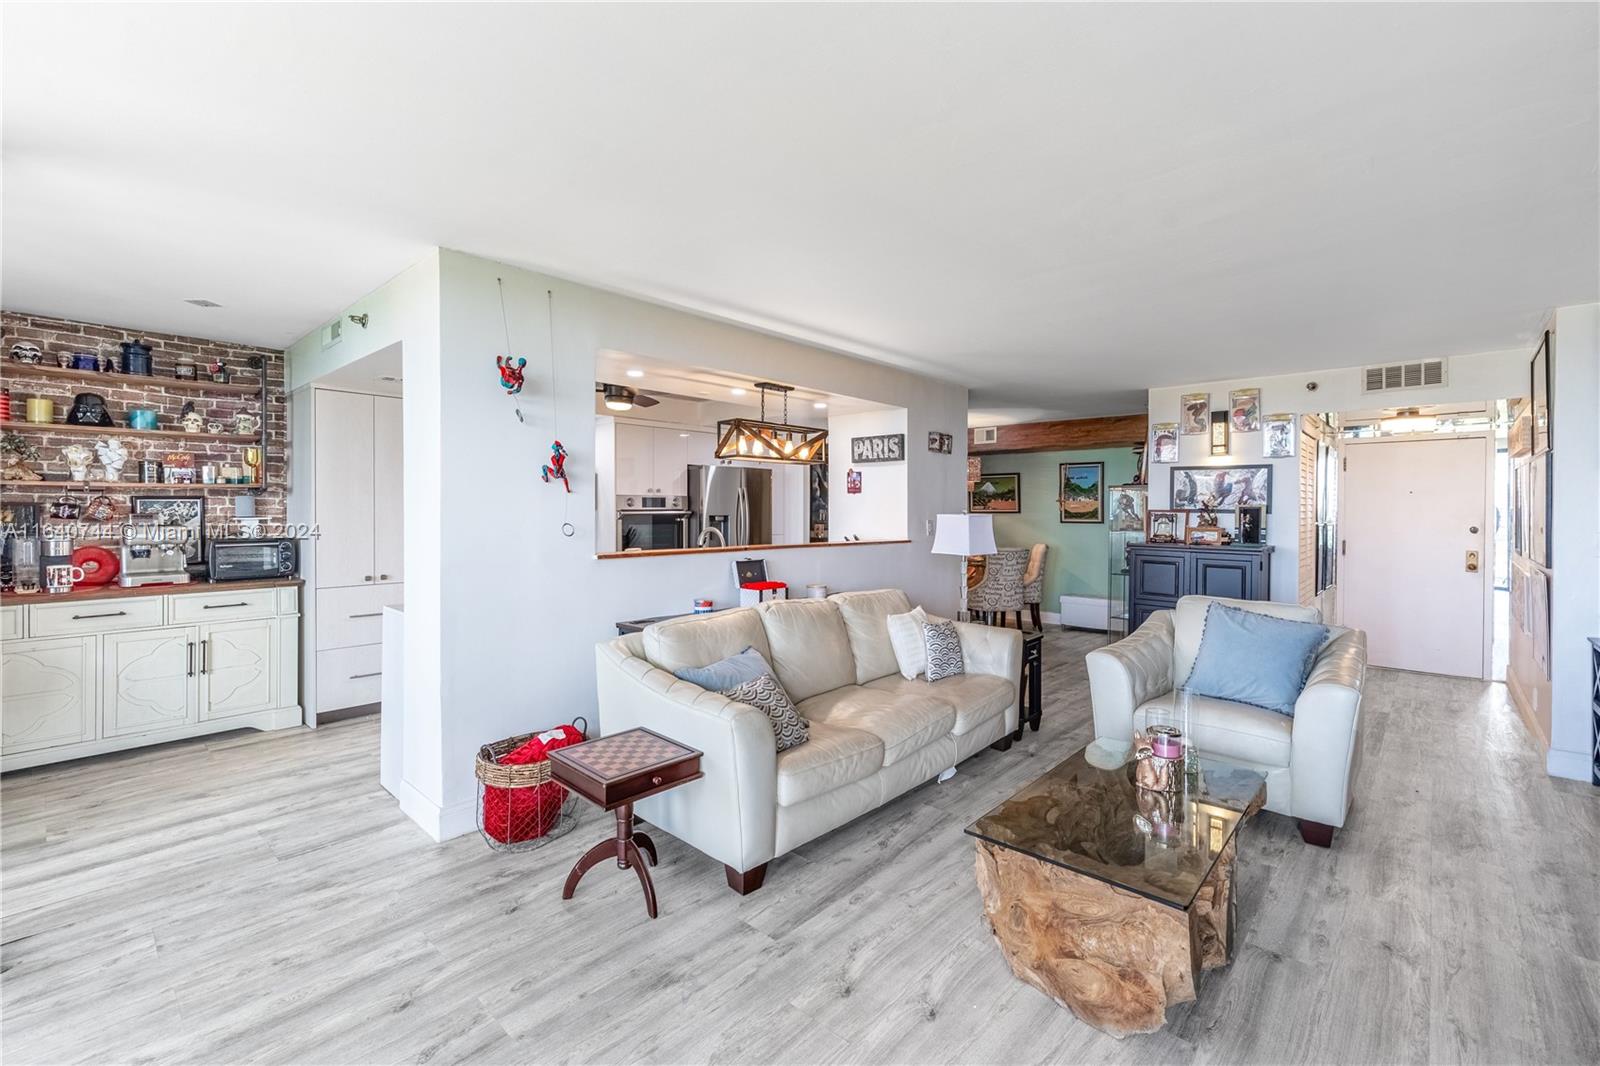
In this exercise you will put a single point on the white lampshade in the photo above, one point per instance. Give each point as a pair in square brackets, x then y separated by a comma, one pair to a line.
[964, 534]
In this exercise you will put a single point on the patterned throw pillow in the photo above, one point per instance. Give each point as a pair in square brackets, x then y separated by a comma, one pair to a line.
[944, 650]
[767, 696]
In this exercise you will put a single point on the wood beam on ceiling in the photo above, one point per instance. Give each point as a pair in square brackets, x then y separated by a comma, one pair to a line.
[1066, 434]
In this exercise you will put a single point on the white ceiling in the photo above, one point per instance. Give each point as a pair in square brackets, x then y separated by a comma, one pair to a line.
[1058, 205]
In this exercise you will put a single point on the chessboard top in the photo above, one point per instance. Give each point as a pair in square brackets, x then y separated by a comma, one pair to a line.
[624, 754]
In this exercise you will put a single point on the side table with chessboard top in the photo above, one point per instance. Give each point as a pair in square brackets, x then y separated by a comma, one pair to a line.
[613, 773]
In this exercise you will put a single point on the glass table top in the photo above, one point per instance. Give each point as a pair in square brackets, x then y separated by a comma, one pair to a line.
[1087, 815]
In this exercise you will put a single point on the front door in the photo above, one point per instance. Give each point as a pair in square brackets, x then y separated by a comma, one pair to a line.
[1415, 511]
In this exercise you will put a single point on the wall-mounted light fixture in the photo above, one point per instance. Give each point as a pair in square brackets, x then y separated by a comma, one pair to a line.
[1219, 433]
[360, 320]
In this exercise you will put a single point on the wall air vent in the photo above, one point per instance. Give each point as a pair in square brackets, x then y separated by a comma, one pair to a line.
[1427, 374]
[986, 435]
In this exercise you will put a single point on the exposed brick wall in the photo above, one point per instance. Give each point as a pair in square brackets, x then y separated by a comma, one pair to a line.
[55, 335]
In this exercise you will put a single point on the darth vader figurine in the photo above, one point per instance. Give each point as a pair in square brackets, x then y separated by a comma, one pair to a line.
[89, 409]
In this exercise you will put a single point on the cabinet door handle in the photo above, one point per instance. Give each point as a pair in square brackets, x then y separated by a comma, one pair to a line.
[358, 677]
[383, 577]
[369, 614]
[366, 577]
[102, 614]
[220, 606]
[190, 668]
[205, 654]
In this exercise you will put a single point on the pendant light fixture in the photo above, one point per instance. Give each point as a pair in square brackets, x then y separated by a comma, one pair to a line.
[771, 442]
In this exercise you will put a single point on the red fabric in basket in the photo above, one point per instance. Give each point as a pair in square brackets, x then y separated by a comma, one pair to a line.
[511, 815]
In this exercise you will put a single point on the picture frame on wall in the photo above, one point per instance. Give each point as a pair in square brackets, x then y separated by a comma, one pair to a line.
[1082, 496]
[1127, 507]
[1231, 485]
[1164, 442]
[1539, 369]
[187, 511]
[1244, 410]
[996, 494]
[1194, 413]
[1279, 440]
[942, 443]
[1165, 526]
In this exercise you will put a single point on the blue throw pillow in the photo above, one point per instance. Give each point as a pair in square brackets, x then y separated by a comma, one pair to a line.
[727, 673]
[1254, 658]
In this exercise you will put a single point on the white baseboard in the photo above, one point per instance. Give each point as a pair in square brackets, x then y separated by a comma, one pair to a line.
[440, 823]
[1568, 764]
[1083, 612]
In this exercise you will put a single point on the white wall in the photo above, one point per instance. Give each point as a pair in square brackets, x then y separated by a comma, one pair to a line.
[879, 511]
[517, 607]
[1574, 534]
[1479, 377]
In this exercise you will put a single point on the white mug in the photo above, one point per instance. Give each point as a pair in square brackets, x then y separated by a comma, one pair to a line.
[60, 577]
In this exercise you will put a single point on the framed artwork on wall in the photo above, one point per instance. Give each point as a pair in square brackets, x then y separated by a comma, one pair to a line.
[997, 494]
[1231, 485]
[1244, 410]
[1083, 492]
[1540, 369]
[1128, 505]
[1164, 442]
[1279, 441]
[1194, 416]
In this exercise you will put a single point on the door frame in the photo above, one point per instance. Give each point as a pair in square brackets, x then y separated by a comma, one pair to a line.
[1486, 523]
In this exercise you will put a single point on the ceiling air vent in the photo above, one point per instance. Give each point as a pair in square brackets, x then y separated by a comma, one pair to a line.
[1426, 374]
[986, 435]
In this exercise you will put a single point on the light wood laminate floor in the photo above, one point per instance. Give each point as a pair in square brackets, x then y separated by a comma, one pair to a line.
[258, 898]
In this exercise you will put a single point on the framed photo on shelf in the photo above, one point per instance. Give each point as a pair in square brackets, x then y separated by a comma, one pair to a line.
[1208, 535]
[1231, 485]
[1083, 493]
[1244, 410]
[1128, 505]
[1250, 524]
[187, 511]
[997, 494]
[1279, 441]
[1194, 413]
[1164, 442]
[1165, 527]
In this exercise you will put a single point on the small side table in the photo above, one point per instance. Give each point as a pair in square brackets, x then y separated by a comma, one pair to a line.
[1032, 682]
[613, 773]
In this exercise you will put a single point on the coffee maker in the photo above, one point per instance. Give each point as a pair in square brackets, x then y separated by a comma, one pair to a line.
[154, 554]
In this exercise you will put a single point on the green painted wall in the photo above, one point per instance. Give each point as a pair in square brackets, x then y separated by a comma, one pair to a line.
[1079, 554]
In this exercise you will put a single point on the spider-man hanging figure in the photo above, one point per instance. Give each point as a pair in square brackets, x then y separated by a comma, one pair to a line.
[510, 374]
[557, 467]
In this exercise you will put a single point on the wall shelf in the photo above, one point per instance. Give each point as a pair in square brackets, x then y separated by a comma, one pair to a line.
[124, 431]
[203, 385]
[139, 487]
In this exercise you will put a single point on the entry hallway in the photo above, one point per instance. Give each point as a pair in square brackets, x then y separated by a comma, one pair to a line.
[276, 907]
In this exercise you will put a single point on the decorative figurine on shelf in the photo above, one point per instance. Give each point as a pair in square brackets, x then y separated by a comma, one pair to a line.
[245, 423]
[78, 457]
[27, 354]
[64, 360]
[113, 455]
[557, 467]
[15, 455]
[1208, 510]
[510, 374]
[192, 421]
[89, 409]
[219, 371]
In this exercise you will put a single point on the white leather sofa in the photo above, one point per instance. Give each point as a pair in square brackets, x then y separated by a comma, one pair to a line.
[873, 736]
[1310, 760]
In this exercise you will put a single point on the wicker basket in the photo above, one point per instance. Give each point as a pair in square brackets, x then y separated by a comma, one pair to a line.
[520, 805]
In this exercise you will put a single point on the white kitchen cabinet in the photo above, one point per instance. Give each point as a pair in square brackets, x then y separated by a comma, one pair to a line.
[47, 694]
[149, 678]
[90, 693]
[238, 668]
[651, 461]
[700, 449]
[388, 491]
[344, 488]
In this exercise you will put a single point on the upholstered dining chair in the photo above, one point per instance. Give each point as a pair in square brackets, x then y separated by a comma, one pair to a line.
[1033, 582]
[999, 589]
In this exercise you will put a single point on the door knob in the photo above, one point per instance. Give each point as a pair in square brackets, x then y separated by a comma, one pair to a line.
[1472, 529]
[1472, 562]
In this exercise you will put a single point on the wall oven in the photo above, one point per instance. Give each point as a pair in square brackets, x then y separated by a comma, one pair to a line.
[652, 523]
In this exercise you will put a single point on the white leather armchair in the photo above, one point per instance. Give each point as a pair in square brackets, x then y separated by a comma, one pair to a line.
[1310, 760]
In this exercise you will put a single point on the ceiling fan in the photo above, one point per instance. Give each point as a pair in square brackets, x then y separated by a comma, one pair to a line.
[622, 398]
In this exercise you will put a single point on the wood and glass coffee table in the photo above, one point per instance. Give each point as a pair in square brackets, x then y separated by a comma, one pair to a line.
[1110, 899]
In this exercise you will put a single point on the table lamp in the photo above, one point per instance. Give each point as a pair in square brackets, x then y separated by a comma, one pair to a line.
[964, 535]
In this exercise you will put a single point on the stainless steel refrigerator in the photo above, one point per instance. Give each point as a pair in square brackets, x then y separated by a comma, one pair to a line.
[734, 503]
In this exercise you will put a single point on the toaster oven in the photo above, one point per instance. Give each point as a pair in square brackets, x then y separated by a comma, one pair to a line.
[253, 559]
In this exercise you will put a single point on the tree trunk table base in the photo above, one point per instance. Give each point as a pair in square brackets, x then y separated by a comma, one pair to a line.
[1114, 958]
